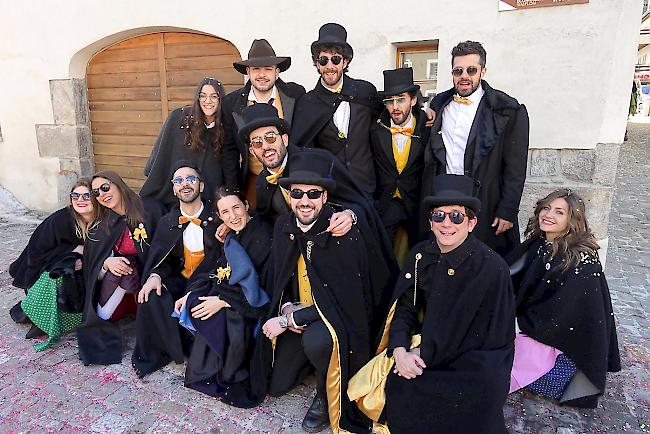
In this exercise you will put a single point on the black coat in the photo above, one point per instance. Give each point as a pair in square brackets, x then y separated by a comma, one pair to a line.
[100, 341]
[314, 127]
[496, 157]
[170, 147]
[570, 311]
[235, 152]
[466, 301]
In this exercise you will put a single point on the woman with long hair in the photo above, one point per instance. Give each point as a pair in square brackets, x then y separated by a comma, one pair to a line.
[224, 308]
[566, 340]
[113, 254]
[49, 267]
[193, 133]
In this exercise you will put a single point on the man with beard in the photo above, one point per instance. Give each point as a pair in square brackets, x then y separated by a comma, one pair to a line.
[336, 115]
[323, 294]
[398, 140]
[263, 68]
[185, 237]
[482, 133]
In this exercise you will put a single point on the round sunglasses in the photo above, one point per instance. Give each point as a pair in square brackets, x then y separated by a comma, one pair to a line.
[268, 137]
[74, 196]
[458, 71]
[192, 179]
[456, 217]
[323, 60]
[104, 188]
[314, 193]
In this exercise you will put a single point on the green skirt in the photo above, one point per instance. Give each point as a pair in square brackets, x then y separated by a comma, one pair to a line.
[41, 308]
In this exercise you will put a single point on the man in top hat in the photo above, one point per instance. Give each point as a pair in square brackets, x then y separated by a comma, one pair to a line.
[323, 294]
[263, 68]
[398, 139]
[452, 333]
[336, 115]
[483, 133]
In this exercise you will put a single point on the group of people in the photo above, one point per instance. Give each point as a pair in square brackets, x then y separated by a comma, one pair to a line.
[262, 247]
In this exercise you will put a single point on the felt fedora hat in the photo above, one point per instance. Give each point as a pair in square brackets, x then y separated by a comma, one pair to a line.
[452, 190]
[262, 54]
[397, 81]
[331, 33]
[261, 115]
[310, 168]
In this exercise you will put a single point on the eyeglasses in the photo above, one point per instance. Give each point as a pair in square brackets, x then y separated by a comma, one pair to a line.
[104, 188]
[74, 196]
[458, 71]
[322, 60]
[314, 193]
[213, 97]
[393, 101]
[189, 178]
[269, 137]
[456, 217]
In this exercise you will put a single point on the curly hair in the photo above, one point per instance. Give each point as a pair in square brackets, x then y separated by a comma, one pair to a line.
[332, 48]
[467, 48]
[578, 238]
[195, 122]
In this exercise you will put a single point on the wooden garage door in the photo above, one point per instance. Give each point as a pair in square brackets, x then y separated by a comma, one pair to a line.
[133, 85]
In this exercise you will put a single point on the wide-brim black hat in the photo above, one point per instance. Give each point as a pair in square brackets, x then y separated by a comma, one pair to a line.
[262, 54]
[310, 168]
[397, 81]
[452, 190]
[261, 115]
[332, 33]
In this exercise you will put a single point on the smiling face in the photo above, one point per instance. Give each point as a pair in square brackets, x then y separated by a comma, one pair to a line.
[307, 210]
[466, 84]
[271, 155]
[450, 235]
[263, 78]
[111, 198]
[233, 212]
[82, 206]
[186, 191]
[331, 73]
[209, 101]
[554, 218]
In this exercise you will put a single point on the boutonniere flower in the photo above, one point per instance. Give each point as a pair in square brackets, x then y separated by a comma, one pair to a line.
[223, 273]
[140, 233]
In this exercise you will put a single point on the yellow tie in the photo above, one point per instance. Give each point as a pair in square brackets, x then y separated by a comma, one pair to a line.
[182, 220]
[337, 90]
[462, 100]
[274, 177]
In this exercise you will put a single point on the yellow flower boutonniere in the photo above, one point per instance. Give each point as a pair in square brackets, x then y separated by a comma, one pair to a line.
[223, 273]
[140, 232]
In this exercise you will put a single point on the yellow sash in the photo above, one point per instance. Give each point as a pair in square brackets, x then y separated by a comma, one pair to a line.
[304, 286]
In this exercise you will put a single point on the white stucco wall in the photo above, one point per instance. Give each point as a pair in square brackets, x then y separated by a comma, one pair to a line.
[571, 65]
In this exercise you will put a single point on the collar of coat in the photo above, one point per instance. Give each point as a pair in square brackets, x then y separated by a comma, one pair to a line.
[352, 92]
[316, 233]
[457, 256]
[291, 90]
[495, 99]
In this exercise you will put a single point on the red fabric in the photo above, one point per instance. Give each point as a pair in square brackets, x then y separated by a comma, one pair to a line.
[125, 245]
[126, 307]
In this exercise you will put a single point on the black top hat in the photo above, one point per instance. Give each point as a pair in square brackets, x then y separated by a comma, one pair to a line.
[311, 168]
[331, 33]
[397, 81]
[262, 54]
[452, 190]
[261, 115]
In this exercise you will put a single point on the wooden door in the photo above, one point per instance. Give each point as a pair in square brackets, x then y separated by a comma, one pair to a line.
[134, 84]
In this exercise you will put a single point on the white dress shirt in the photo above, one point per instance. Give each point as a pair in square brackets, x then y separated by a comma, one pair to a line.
[193, 233]
[457, 120]
[401, 139]
[253, 97]
[341, 116]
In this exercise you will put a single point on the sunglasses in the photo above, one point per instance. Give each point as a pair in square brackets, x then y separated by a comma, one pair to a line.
[393, 101]
[189, 178]
[458, 71]
[269, 137]
[323, 60]
[314, 193]
[76, 196]
[104, 188]
[213, 97]
[456, 217]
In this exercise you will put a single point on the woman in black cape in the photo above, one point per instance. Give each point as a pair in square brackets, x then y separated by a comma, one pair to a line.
[193, 133]
[113, 256]
[225, 308]
[49, 269]
[567, 341]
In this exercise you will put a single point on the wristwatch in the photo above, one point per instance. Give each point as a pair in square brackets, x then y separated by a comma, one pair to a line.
[283, 321]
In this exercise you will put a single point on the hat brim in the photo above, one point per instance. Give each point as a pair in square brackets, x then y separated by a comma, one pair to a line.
[283, 63]
[315, 45]
[470, 202]
[308, 178]
[280, 124]
[398, 90]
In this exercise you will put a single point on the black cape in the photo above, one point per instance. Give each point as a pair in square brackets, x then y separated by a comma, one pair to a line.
[467, 331]
[570, 311]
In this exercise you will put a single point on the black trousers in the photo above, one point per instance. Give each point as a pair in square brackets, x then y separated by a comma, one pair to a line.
[297, 354]
[395, 216]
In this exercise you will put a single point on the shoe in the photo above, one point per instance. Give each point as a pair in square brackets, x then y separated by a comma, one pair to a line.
[17, 314]
[317, 417]
[34, 332]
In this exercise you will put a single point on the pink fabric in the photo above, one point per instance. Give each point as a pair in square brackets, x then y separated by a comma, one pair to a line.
[532, 360]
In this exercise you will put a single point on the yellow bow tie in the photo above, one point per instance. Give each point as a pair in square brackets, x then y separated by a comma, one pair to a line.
[408, 131]
[462, 100]
[274, 177]
[337, 90]
[182, 220]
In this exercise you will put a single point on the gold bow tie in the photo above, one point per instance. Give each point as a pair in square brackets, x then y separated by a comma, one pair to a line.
[408, 131]
[337, 90]
[274, 177]
[182, 220]
[462, 100]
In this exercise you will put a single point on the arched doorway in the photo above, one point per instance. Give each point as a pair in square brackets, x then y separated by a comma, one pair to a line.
[134, 84]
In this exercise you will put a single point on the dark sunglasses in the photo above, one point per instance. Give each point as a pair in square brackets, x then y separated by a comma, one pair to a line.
[322, 60]
[76, 196]
[189, 178]
[314, 193]
[458, 71]
[456, 217]
[269, 137]
[104, 187]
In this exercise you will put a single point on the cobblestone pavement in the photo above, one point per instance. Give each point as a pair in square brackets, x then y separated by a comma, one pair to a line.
[52, 391]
